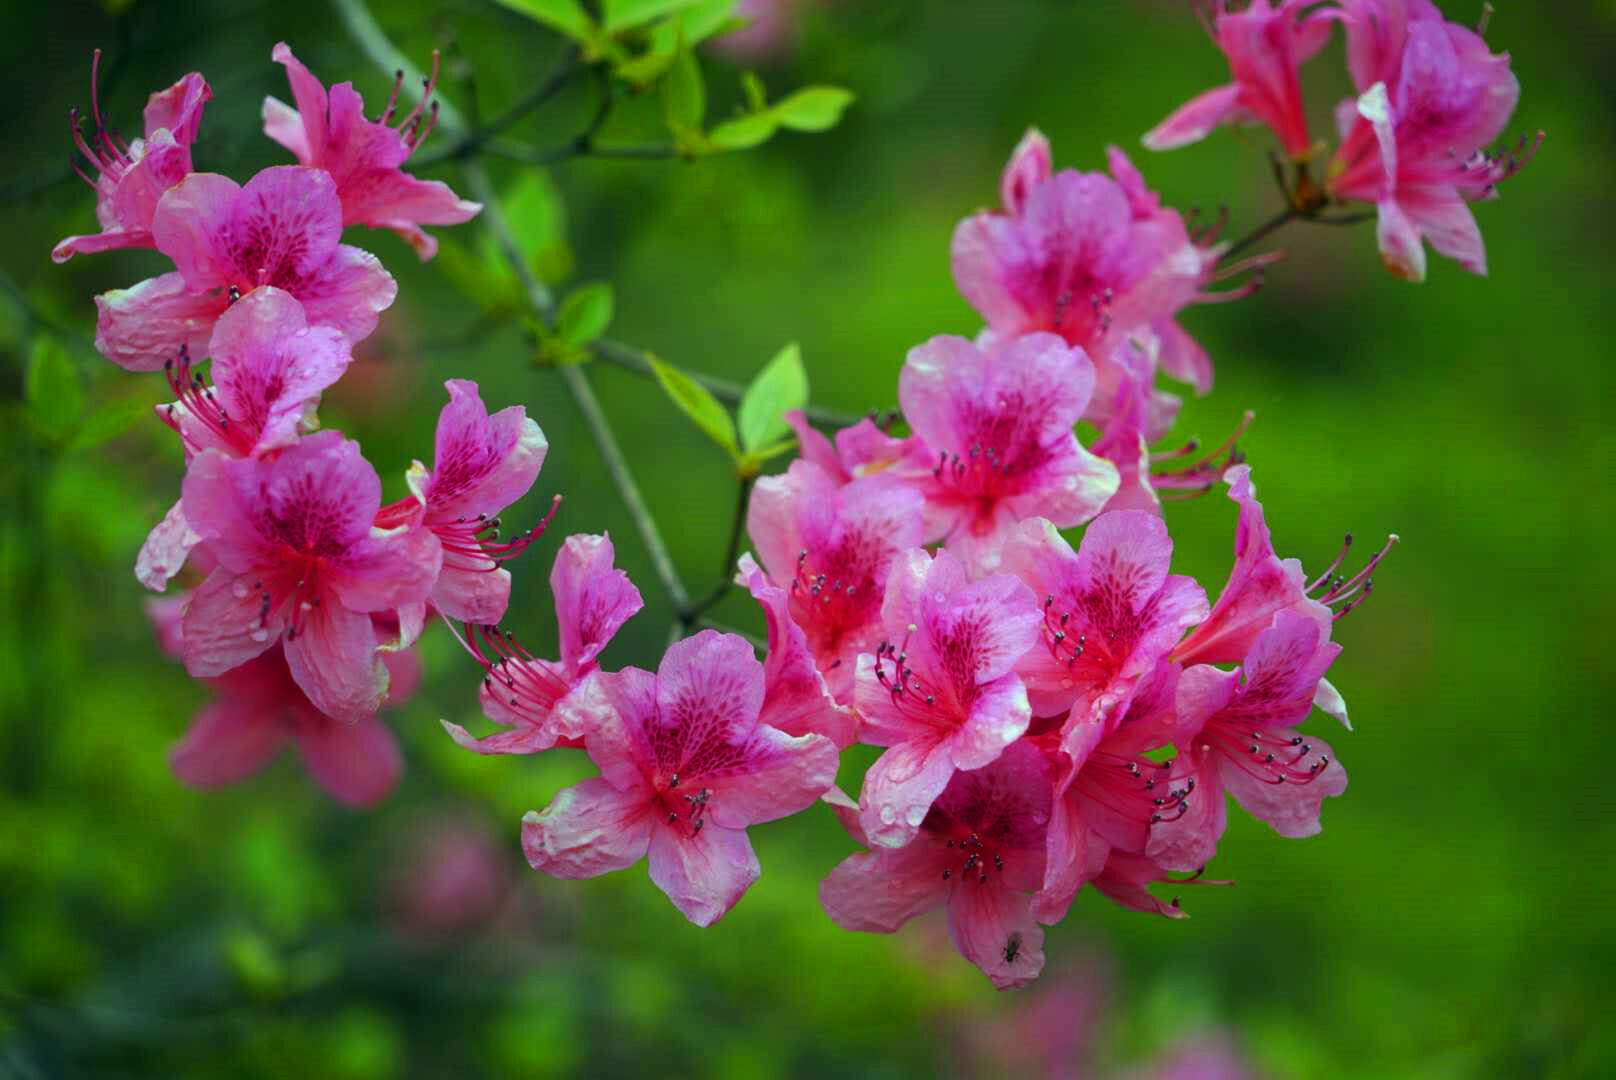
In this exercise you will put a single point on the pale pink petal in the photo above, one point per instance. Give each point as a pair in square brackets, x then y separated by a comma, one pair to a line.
[1329, 699]
[900, 787]
[1029, 166]
[390, 199]
[709, 691]
[805, 491]
[1125, 879]
[588, 830]
[178, 109]
[1187, 843]
[228, 741]
[1182, 357]
[310, 97]
[993, 928]
[1445, 221]
[1195, 119]
[333, 657]
[388, 569]
[1291, 808]
[349, 291]
[1399, 240]
[814, 448]
[878, 891]
[705, 874]
[482, 463]
[167, 547]
[145, 326]
[593, 599]
[999, 716]
[988, 257]
[192, 225]
[359, 763]
[473, 596]
[795, 698]
[284, 125]
[225, 625]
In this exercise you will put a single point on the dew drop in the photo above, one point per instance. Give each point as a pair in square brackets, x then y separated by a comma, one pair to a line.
[239, 590]
[1066, 684]
[939, 596]
[915, 816]
[888, 815]
[261, 634]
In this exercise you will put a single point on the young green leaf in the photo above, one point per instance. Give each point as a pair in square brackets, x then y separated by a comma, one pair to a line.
[813, 108]
[744, 132]
[52, 389]
[757, 97]
[109, 420]
[585, 314]
[780, 387]
[696, 402]
[625, 14]
[567, 16]
[684, 95]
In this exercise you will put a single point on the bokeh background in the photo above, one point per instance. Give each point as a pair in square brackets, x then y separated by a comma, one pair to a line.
[1451, 921]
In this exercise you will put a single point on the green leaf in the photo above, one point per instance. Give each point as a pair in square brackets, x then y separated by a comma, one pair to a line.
[109, 420]
[55, 397]
[585, 314]
[744, 132]
[684, 95]
[567, 16]
[780, 387]
[757, 96]
[696, 402]
[644, 70]
[813, 108]
[695, 24]
[537, 217]
[623, 14]
[752, 463]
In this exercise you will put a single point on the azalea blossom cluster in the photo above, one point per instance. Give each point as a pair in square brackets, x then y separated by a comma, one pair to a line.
[1051, 709]
[310, 592]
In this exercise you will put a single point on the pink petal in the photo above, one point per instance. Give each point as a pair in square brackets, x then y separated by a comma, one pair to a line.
[143, 327]
[778, 775]
[167, 547]
[482, 463]
[1182, 357]
[1125, 879]
[228, 741]
[404, 671]
[472, 596]
[178, 109]
[358, 763]
[333, 658]
[1029, 166]
[1444, 219]
[587, 830]
[705, 874]
[612, 713]
[709, 691]
[1291, 808]
[287, 220]
[192, 226]
[312, 103]
[593, 599]
[389, 569]
[1074, 855]
[900, 787]
[1195, 119]
[284, 125]
[999, 716]
[167, 614]
[224, 625]
[814, 448]
[988, 257]
[94, 243]
[1400, 247]
[390, 199]
[795, 698]
[773, 514]
[349, 291]
[878, 891]
[990, 925]
[1187, 843]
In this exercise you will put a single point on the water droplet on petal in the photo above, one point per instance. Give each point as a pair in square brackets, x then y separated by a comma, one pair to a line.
[239, 590]
[939, 596]
[260, 635]
[915, 816]
[1066, 684]
[888, 815]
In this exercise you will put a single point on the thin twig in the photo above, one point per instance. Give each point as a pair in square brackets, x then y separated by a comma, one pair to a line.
[737, 527]
[1274, 223]
[479, 137]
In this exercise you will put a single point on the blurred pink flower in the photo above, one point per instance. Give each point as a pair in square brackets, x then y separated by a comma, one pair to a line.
[452, 879]
[686, 768]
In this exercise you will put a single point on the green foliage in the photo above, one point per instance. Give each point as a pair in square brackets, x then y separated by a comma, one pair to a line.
[585, 314]
[698, 403]
[780, 387]
[52, 390]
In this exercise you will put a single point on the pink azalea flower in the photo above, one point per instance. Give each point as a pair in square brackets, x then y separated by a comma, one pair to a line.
[941, 692]
[269, 367]
[830, 547]
[1093, 258]
[1265, 44]
[1108, 794]
[454, 879]
[862, 450]
[1432, 97]
[1111, 611]
[796, 698]
[1000, 433]
[299, 562]
[281, 229]
[1240, 736]
[131, 178]
[330, 132]
[593, 599]
[979, 852]
[258, 708]
[481, 465]
[686, 768]
[1261, 585]
[1127, 877]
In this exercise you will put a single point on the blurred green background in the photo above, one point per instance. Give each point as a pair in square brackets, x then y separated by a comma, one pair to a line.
[1449, 922]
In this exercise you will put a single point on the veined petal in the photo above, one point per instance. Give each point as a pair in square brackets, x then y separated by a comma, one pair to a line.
[587, 830]
[228, 741]
[358, 763]
[705, 874]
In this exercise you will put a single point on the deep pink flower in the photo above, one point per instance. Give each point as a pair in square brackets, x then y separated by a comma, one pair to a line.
[1432, 97]
[130, 178]
[299, 561]
[830, 547]
[979, 851]
[941, 691]
[686, 767]
[258, 708]
[481, 465]
[1265, 44]
[330, 132]
[859, 451]
[593, 599]
[1000, 433]
[1096, 259]
[1261, 585]
[1108, 794]
[1239, 735]
[281, 229]
[1111, 611]
[269, 367]
[1127, 877]
[796, 699]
